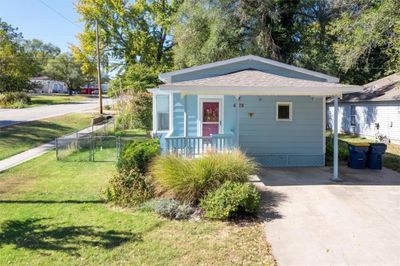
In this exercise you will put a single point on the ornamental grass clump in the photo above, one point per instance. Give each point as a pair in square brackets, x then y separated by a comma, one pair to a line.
[188, 180]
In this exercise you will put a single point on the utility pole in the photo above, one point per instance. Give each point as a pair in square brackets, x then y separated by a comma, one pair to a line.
[98, 69]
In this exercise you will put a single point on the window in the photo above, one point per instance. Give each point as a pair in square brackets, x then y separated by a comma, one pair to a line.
[352, 115]
[162, 112]
[284, 111]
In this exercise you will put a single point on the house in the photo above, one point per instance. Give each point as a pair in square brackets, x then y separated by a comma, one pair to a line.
[273, 111]
[374, 112]
[47, 85]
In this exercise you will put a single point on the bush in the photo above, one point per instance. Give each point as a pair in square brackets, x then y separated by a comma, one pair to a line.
[190, 180]
[129, 188]
[230, 199]
[14, 99]
[343, 151]
[138, 154]
[169, 208]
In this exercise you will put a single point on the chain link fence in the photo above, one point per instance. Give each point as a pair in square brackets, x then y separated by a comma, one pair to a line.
[96, 145]
[95, 148]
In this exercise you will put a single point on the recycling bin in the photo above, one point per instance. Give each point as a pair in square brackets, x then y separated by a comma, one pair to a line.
[375, 155]
[358, 154]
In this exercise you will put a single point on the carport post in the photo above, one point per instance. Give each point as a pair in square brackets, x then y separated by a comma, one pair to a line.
[237, 120]
[335, 176]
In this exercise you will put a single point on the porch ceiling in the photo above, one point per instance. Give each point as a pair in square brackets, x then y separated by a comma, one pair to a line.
[255, 82]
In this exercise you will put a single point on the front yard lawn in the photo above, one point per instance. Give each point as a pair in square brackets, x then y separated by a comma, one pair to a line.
[21, 137]
[52, 213]
[38, 100]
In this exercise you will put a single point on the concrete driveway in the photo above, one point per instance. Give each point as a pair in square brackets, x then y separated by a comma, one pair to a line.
[312, 221]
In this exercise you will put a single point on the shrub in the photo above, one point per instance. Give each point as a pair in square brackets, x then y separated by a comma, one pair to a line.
[14, 99]
[129, 188]
[168, 208]
[137, 155]
[343, 151]
[230, 199]
[189, 180]
[135, 110]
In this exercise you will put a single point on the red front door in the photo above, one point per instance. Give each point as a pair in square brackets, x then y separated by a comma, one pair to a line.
[210, 119]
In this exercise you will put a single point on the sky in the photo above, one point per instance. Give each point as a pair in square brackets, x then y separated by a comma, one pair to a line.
[38, 19]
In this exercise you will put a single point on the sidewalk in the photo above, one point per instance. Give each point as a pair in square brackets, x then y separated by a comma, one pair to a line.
[35, 152]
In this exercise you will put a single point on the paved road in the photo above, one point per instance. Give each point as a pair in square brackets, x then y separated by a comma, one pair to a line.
[311, 221]
[14, 116]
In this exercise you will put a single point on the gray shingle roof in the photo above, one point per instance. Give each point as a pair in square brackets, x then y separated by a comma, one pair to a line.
[384, 89]
[254, 78]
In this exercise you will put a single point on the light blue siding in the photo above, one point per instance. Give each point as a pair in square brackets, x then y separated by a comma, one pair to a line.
[192, 115]
[249, 64]
[178, 114]
[229, 114]
[282, 143]
[273, 143]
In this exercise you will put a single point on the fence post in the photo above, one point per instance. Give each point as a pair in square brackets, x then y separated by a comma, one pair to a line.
[118, 146]
[57, 149]
[90, 148]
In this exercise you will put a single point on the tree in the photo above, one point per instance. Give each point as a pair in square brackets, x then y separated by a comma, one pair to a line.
[368, 40]
[64, 68]
[135, 39]
[137, 77]
[41, 53]
[205, 32]
[130, 32]
[16, 66]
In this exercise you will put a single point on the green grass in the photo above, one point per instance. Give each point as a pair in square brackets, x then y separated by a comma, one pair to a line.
[21, 137]
[52, 213]
[38, 100]
[391, 159]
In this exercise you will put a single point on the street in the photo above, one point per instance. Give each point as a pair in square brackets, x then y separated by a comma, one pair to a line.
[14, 116]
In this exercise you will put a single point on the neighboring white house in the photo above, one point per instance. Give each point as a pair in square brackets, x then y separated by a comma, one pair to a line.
[374, 111]
[48, 85]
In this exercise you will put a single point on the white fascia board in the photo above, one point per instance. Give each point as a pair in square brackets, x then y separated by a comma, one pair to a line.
[161, 91]
[166, 77]
[275, 90]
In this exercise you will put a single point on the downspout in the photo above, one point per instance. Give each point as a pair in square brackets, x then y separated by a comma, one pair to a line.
[237, 120]
[185, 116]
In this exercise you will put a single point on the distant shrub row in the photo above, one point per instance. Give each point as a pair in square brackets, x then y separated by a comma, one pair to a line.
[14, 99]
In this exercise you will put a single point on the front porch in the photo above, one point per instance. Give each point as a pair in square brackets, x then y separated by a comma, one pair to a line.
[194, 146]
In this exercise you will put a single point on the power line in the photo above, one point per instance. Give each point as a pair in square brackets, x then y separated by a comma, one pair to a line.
[59, 13]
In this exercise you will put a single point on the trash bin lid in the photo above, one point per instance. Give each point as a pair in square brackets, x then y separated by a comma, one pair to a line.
[377, 144]
[359, 144]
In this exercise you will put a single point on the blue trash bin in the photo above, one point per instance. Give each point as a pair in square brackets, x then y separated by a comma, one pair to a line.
[375, 155]
[358, 155]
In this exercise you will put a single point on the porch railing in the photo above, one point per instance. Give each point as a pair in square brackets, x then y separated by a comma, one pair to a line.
[192, 146]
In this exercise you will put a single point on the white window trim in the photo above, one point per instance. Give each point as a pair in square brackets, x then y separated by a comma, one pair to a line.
[211, 98]
[290, 111]
[170, 103]
[355, 115]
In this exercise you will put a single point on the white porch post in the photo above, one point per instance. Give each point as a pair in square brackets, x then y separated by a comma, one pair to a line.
[237, 120]
[185, 116]
[335, 176]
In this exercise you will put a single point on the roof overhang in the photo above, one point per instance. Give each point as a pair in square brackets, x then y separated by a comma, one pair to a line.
[275, 90]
